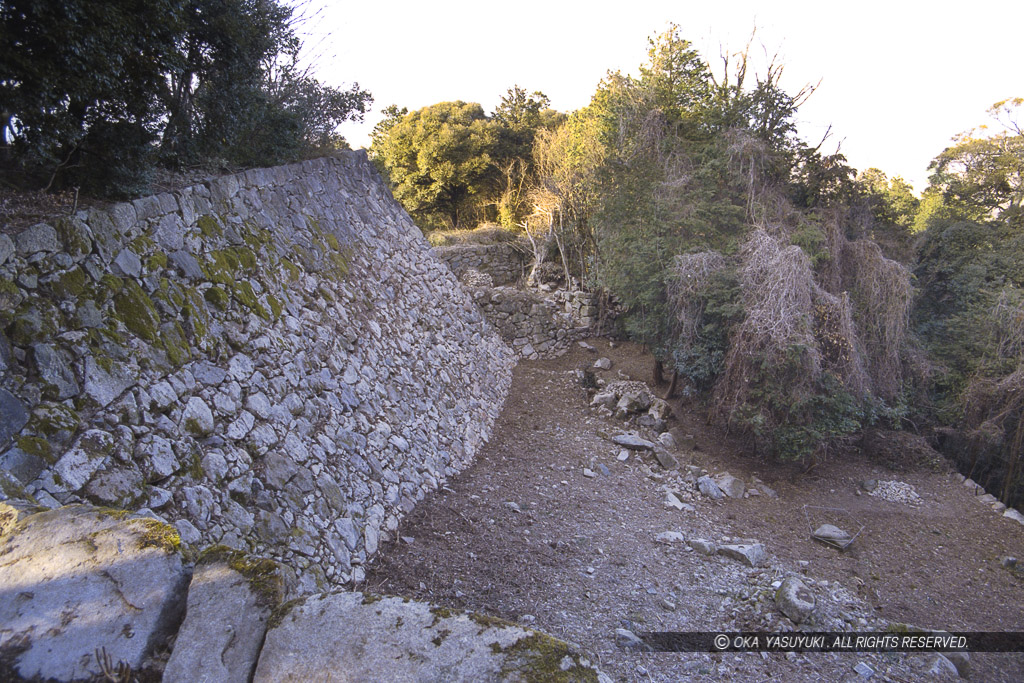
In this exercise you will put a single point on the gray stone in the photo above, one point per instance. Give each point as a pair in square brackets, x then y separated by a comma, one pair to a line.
[104, 384]
[208, 374]
[1014, 514]
[750, 554]
[188, 532]
[6, 248]
[666, 440]
[54, 369]
[13, 416]
[259, 404]
[670, 537]
[666, 459]
[225, 621]
[159, 453]
[278, 470]
[23, 466]
[628, 640]
[88, 455]
[794, 599]
[196, 418]
[87, 315]
[941, 667]
[832, 535]
[409, 640]
[37, 238]
[81, 568]
[707, 486]
[117, 487]
[603, 364]
[605, 399]
[633, 442]
[241, 426]
[186, 264]
[730, 485]
[170, 233]
[127, 263]
[703, 546]
[163, 395]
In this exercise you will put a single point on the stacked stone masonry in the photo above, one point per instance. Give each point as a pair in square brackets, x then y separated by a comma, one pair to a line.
[537, 324]
[275, 361]
[503, 262]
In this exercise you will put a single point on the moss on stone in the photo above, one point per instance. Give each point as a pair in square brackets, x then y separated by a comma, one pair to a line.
[33, 321]
[37, 446]
[174, 342]
[142, 244]
[276, 307]
[245, 295]
[156, 534]
[340, 263]
[263, 575]
[112, 283]
[218, 297]
[196, 315]
[209, 227]
[75, 242]
[537, 658]
[156, 261]
[292, 270]
[136, 310]
[281, 611]
[49, 419]
[332, 241]
[70, 284]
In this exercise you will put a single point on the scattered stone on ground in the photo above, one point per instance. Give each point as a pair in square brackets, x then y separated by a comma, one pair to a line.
[794, 599]
[633, 442]
[750, 554]
[895, 492]
[832, 535]
[603, 364]
[707, 486]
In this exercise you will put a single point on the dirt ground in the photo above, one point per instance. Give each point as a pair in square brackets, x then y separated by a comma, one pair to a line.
[525, 535]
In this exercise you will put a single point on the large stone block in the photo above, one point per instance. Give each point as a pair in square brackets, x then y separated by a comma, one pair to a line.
[78, 580]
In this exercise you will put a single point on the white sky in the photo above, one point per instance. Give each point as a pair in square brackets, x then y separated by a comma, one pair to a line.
[898, 79]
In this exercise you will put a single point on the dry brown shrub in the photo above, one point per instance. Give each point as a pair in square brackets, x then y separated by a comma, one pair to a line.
[836, 334]
[994, 417]
[777, 284]
[1008, 316]
[883, 296]
[689, 276]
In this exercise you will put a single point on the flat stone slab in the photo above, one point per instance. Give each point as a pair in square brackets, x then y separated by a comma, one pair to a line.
[750, 554]
[79, 578]
[229, 603]
[633, 442]
[832, 535]
[359, 637]
[730, 485]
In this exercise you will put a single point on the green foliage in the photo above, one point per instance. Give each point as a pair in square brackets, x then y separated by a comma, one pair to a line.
[893, 209]
[96, 93]
[439, 162]
[702, 360]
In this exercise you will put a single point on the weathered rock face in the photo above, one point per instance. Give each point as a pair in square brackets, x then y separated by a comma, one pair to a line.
[275, 361]
[77, 579]
[230, 601]
[371, 638]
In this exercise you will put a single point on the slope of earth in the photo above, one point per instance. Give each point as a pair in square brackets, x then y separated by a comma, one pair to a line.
[526, 534]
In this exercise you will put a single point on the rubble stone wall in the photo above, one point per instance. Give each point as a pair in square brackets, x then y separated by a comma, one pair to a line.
[536, 324]
[275, 361]
[503, 262]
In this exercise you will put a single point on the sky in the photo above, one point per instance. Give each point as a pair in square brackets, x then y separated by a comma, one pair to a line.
[896, 80]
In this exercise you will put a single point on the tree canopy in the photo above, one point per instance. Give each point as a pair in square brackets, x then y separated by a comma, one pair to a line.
[97, 93]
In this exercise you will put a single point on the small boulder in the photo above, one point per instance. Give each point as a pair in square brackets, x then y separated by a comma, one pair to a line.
[670, 537]
[832, 535]
[603, 364]
[750, 554]
[704, 546]
[730, 485]
[794, 599]
[633, 442]
[707, 486]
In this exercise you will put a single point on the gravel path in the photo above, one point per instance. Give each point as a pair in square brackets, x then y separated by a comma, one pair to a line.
[527, 535]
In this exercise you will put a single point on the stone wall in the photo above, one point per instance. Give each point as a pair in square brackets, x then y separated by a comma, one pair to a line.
[503, 262]
[537, 324]
[275, 361]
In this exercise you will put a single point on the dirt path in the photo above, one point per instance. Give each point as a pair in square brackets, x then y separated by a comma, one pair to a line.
[523, 534]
